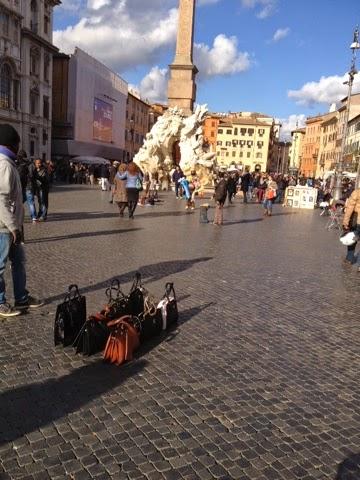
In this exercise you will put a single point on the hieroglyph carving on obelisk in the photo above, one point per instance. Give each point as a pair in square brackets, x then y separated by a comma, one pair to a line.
[182, 87]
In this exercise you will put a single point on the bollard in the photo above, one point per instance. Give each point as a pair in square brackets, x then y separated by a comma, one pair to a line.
[203, 213]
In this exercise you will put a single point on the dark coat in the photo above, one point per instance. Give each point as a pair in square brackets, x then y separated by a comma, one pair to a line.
[245, 182]
[221, 191]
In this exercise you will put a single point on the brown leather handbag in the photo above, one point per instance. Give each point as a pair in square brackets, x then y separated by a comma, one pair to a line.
[123, 340]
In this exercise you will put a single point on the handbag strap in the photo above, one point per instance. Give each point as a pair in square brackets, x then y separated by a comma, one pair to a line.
[169, 289]
[116, 289]
[73, 291]
[137, 282]
[124, 321]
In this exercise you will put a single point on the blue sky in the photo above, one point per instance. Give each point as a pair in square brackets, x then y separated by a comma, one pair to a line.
[264, 49]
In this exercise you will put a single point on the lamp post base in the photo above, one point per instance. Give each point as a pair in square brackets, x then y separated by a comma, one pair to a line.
[338, 187]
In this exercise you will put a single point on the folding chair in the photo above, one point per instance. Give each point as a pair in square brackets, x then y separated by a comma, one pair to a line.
[335, 219]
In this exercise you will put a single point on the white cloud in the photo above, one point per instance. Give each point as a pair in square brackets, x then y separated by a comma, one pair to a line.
[280, 34]
[223, 58]
[289, 124]
[327, 90]
[123, 34]
[70, 5]
[153, 86]
[97, 4]
[267, 7]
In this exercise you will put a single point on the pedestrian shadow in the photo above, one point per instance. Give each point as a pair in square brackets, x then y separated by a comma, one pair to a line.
[284, 213]
[33, 406]
[249, 220]
[349, 469]
[149, 273]
[69, 216]
[81, 235]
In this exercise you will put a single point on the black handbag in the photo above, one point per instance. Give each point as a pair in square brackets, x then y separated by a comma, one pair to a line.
[168, 307]
[70, 317]
[92, 337]
[151, 324]
[118, 303]
[136, 296]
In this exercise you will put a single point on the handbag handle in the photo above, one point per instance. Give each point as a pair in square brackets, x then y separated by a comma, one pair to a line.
[125, 320]
[136, 282]
[169, 288]
[74, 289]
[114, 287]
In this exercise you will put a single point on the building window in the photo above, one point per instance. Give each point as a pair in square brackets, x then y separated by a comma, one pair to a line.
[251, 132]
[46, 108]
[46, 24]
[248, 154]
[243, 131]
[228, 144]
[5, 86]
[34, 16]
[233, 154]
[249, 143]
[241, 154]
[227, 154]
[44, 137]
[34, 102]
[261, 132]
[46, 68]
[219, 142]
[16, 94]
[220, 130]
[259, 155]
[213, 124]
[235, 131]
[4, 21]
[34, 61]
[228, 132]
[212, 134]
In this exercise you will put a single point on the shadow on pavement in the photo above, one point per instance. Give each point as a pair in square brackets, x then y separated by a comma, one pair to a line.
[68, 216]
[349, 469]
[184, 316]
[149, 273]
[81, 235]
[250, 220]
[30, 407]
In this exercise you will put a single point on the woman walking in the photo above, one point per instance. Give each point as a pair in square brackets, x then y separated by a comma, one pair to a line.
[120, 194]
[133, 177]
[220, 198]
[269, 197]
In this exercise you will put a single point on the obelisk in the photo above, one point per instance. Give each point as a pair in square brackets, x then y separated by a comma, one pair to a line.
[182, 87]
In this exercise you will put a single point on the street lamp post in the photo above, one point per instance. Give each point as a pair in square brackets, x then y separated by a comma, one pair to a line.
[339, 168]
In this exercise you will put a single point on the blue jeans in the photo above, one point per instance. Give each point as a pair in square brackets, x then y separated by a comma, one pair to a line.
[42, 198]
[268, 204]
[30, 199]
[16, 255]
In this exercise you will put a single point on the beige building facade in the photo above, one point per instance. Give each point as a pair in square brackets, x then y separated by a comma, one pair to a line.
[297, 138]
[352, 146]
[26, 52]
[138, 124]
[328, 136]
[244, 142]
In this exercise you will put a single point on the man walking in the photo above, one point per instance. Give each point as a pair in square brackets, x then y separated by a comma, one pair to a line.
[245, 184]
[11, 226]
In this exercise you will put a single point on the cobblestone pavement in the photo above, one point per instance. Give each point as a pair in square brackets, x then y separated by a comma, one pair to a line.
[259, 381]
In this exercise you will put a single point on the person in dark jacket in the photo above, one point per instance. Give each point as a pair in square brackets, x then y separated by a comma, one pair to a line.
[231, 187]
[175, 178]
[104, 175]
[42, 184]
[220, 198]
[245, 184]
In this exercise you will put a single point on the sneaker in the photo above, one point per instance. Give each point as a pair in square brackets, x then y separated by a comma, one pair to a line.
[7, 310]
[35, 220]
[30, 302]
